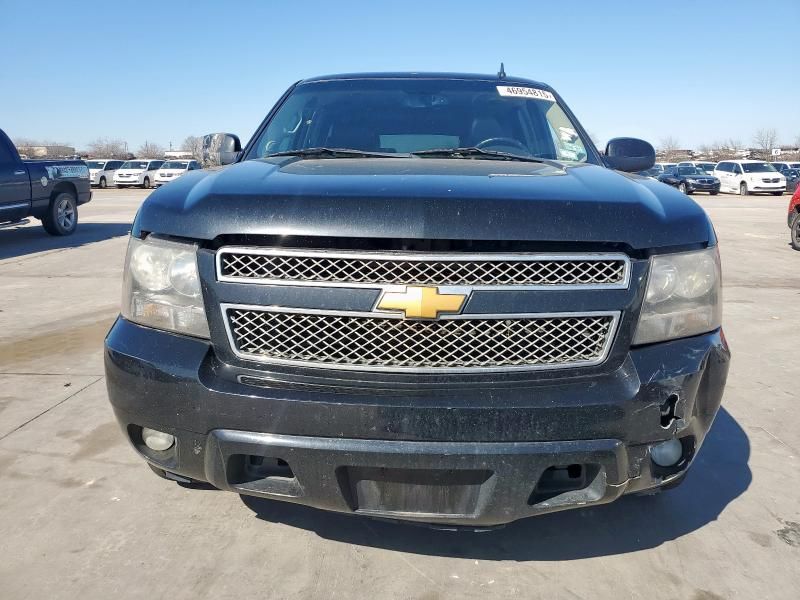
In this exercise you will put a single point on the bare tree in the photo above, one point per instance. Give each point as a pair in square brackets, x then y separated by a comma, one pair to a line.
[108, 148]
[150, 150]
[194, 144]
[706, 149]
[668, 148]
[765, 140]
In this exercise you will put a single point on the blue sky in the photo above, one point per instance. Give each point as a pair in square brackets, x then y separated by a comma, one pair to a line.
[159, 71]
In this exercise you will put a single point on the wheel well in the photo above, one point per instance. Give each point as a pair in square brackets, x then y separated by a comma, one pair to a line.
[64, 186]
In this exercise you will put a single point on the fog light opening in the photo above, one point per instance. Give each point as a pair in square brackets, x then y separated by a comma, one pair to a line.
[157, 440]
[668, 411]
[667, 454]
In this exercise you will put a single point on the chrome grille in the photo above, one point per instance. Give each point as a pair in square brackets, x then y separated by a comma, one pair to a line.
[365, 342]
[330, 268]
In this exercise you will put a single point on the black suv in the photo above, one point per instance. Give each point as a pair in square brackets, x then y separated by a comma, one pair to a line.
[423, 297]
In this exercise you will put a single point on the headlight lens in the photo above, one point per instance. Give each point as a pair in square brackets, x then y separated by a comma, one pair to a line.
[161, 286]
[684, 297]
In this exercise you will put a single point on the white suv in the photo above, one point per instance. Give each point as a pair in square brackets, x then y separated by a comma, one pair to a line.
[749, 177]
[137, 172]
[101, 171]
[172, 169]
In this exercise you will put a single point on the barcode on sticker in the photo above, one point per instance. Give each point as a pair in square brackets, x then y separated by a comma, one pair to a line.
[525, 92]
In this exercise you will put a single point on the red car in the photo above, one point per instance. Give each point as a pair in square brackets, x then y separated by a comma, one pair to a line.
[794, 218]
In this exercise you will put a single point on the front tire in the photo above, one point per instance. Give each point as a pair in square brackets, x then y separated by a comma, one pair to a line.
[714, 193]
[146, 184]
[61, 217]
[743, 191]
[795, 232]
[103, 184]
[777, 193]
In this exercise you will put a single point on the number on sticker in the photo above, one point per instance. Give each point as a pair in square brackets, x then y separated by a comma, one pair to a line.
[525, 92]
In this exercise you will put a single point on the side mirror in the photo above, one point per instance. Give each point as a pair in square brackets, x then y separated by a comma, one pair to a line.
[221, 148]
[629, 154]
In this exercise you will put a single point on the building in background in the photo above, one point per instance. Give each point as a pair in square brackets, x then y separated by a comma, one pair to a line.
[46, 151]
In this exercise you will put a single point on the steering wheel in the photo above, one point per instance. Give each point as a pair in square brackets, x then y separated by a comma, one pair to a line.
[502, 141]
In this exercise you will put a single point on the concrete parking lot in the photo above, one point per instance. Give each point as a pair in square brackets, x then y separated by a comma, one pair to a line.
[81, 516]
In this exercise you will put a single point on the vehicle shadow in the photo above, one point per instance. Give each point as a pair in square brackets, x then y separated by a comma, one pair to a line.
[719, 475]
[22, 241]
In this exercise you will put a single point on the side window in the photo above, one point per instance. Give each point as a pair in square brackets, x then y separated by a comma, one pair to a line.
[154, 165]
[287, 128]
[5, 153]
[737, 170]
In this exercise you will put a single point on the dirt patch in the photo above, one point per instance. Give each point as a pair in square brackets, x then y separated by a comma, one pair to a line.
[762, 539]
[79, 339]
[6, 460]
[97, 441]
[790, 534]
[706, 595]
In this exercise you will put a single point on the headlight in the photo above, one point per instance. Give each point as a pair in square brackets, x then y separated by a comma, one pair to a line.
[684, 297]
[161, 286]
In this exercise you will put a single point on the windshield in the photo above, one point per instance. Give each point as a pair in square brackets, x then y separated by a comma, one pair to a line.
[759, 167]
[134, 164]
[175, 164]
[95, 164]
[690, 171]
[411, 115]
[707, 167]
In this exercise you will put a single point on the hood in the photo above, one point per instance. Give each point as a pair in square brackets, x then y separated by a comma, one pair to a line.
[171, 171]
[130, 171]
[703, 176]
[426, 198]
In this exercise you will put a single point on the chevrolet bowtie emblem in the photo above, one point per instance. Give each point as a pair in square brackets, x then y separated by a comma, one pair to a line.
[422, 302]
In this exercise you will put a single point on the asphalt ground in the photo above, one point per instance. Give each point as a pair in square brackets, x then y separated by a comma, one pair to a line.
[81, 516]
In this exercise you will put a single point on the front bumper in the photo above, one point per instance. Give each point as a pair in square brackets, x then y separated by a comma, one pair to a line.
[477, 455]
[769, 187]
[131, 181]
[702, 187]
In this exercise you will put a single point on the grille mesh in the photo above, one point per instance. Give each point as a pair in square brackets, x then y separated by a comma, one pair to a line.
[452, 343]
[583, 271]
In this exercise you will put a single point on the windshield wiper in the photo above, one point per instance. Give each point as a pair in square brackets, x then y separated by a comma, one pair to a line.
[471, 152]
[335, 153]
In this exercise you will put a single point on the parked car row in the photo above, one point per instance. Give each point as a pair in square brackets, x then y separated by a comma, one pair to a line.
[733, 176]
[143, 173]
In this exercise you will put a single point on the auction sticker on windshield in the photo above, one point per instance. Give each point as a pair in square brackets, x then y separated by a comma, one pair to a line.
[525, 92]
